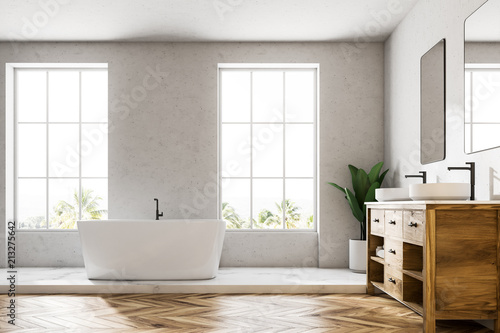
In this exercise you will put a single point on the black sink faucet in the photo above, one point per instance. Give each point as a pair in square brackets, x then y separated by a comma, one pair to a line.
[423, 176]
[158, 214]
[472, 169]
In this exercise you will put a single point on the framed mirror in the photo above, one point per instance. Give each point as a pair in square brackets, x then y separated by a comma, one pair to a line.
[433, 104]
[482, 78]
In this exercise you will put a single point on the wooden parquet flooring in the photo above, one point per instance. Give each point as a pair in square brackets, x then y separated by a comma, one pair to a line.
[225, 313]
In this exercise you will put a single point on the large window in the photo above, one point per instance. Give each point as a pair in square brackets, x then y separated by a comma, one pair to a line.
[61, 146]
[268, 146]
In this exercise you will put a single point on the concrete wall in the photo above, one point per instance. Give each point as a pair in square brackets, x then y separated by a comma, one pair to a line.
[165, 144]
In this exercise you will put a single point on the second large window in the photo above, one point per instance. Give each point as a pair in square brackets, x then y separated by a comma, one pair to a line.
[268, 146]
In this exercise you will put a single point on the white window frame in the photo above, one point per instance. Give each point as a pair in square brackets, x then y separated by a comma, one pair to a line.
[263, 67]
[474, 68]
[11, 77]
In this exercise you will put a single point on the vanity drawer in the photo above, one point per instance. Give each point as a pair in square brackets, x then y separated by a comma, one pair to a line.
[394, 223]
[377, 221]
[393, 253]
[393, 282]
[414, 226]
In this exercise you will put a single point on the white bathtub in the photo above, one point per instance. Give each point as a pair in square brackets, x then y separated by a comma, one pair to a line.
[151, 250]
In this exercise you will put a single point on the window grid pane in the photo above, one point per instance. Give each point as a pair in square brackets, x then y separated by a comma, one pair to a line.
[64, 199]
[64, 150]
[31, 97]
[267, 150]
[64, 96]
[271, 204]
[235, 86]
[32, 150]
[31, 204]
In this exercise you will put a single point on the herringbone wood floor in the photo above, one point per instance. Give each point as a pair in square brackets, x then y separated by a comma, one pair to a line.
[215, 313]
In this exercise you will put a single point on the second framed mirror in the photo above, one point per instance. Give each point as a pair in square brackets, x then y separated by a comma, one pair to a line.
[482, 78]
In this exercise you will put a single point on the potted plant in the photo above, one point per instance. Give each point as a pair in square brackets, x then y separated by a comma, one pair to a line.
[364, 185]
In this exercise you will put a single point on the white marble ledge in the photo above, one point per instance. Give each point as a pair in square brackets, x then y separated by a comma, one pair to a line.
[229, 280]
[435, 202]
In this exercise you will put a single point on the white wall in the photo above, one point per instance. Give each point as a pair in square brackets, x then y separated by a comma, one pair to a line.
[426, 24]
[165, 145]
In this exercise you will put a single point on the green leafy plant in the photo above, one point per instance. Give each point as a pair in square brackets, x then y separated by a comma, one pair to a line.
[364, 185]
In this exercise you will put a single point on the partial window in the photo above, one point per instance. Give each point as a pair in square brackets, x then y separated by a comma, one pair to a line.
[61, 146]
[482, 106]
[268, 146]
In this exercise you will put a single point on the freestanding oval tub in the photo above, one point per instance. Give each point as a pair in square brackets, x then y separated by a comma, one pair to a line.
[151, 250]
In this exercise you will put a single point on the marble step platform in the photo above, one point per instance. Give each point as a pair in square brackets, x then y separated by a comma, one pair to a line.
[57, 280]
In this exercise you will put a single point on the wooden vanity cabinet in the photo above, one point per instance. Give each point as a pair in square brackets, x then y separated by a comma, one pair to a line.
[441, 259]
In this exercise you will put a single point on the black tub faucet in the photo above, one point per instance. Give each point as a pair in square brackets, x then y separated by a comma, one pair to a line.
[472, 170]
[158, 214]
[423, 176]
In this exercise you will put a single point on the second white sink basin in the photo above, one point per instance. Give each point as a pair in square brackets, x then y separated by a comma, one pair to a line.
[440, 191]
[392, 194]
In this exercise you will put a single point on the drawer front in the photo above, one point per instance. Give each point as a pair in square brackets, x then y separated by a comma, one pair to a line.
[393, 253]
[377, 221]
[414, 226]
[394, 223]
[393, 283]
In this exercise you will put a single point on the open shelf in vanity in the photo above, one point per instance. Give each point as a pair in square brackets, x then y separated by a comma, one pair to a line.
[441, 259]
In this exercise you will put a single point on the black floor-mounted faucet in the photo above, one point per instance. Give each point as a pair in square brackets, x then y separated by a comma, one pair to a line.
[423, 176]
[158, 214]
[472, 169]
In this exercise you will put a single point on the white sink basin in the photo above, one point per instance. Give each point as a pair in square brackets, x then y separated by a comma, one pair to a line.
[392, 194]
[440, 191]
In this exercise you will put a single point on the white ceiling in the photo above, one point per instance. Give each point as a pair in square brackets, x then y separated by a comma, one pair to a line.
[201, 20]
[484, 24]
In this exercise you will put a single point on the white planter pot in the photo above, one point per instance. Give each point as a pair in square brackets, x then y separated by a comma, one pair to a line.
[357, 255]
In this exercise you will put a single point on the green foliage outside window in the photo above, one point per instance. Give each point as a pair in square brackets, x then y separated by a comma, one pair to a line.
[267, 219]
